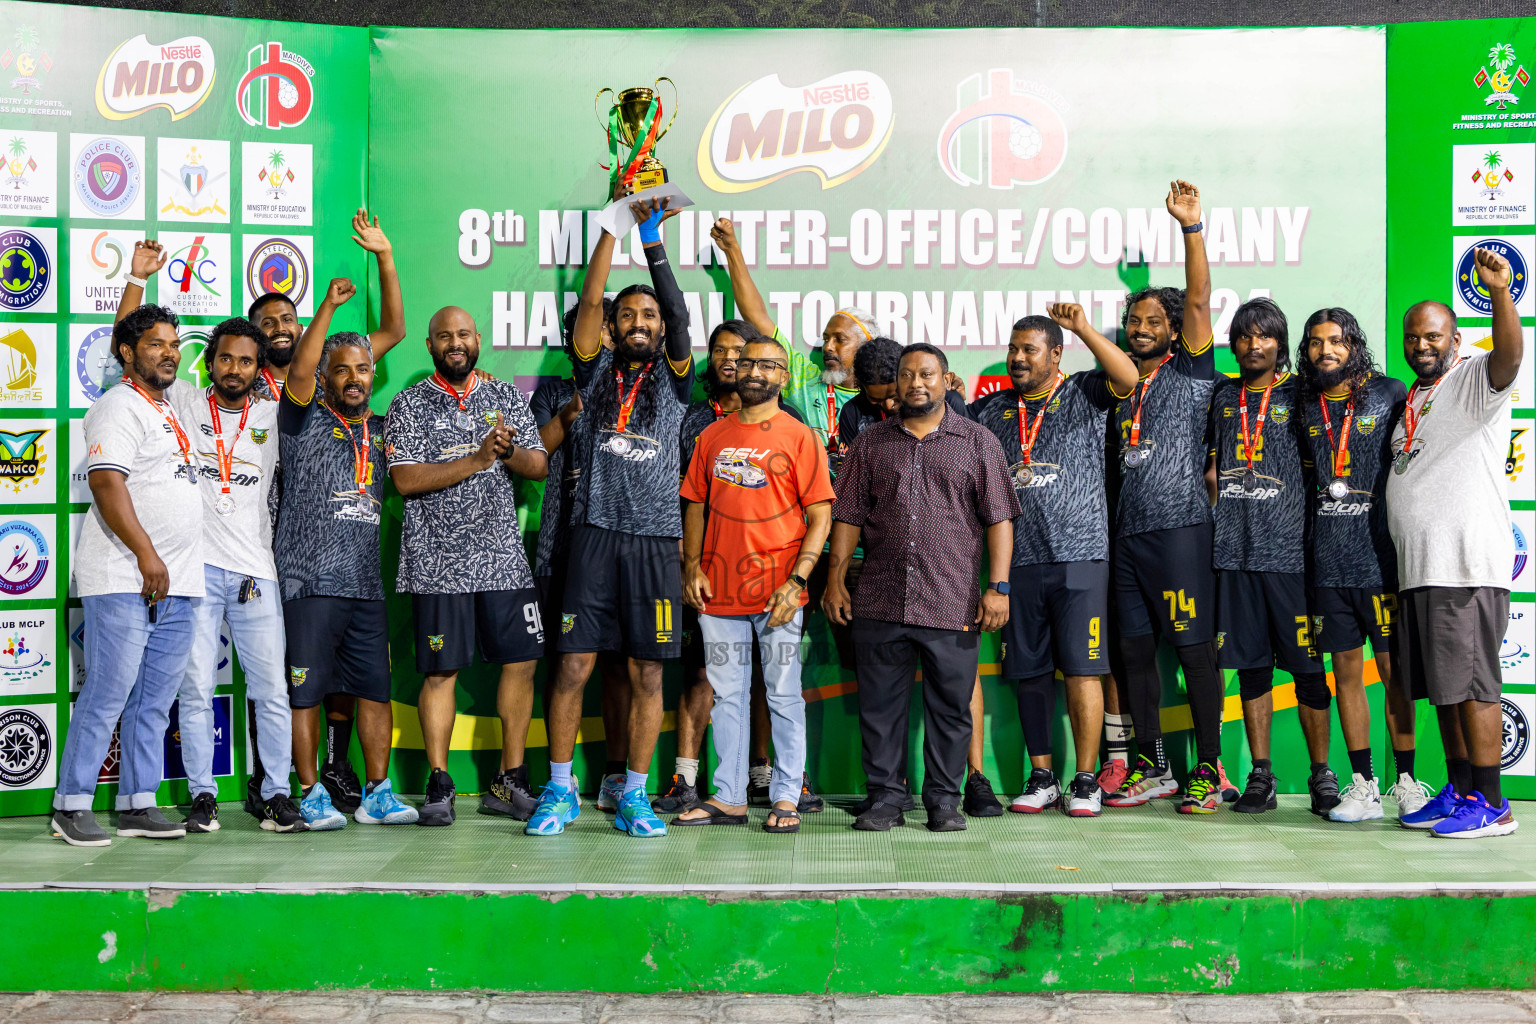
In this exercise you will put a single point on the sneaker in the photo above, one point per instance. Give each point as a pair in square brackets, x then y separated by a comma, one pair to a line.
[1041, 790]
[279, 814]
[1146, 783]
[253, 794]
[1323, 786]
[610, 793]
[510, 795]
[1229, 793]
[1087, 799]
[809, 802]
[1409, 793]
[947, 818]
[438, 809]
[382, 807]
[341, 781]
[78, 828]
[1259, 796]
[319, 813]
[636, 817]
[1360, 802]
[148, 823]
[1202, 793]
[980, 799]
[204, 815]
[679, 796]
[908, 802]
[1476, 818]
[880, 817]
[1112, 776]
[1441, 805]
[558, 807]
[759, 775]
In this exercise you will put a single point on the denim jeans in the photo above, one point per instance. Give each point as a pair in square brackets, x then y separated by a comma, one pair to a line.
[132, 669]
[256, 628]
[728, 661]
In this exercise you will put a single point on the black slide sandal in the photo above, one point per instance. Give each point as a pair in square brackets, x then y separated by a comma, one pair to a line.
[784, 816]
[715, 816]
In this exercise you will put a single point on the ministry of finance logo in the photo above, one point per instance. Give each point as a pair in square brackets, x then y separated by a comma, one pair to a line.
[1470, 291]
[25, 747]
[26, 271]
[276, 90]
[1517, 735]
[1004, 132]
[1501, 80]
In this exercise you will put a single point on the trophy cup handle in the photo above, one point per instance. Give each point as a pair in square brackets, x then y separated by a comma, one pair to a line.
[674, 104]
[601, 120]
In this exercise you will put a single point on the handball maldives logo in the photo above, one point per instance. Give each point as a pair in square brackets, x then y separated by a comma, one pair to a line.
[1470, 289]
[108, 176]
[23, 557]
[1004, 132]
[275, 91]
[835, 129]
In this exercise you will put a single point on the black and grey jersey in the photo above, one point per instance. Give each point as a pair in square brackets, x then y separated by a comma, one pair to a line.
[1261, 518]
[548, 399]
[1351, 545]
[1065, 517]
[1162, 487]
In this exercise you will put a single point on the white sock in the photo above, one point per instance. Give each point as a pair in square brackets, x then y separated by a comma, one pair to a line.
[1117, 737]
[688, 768]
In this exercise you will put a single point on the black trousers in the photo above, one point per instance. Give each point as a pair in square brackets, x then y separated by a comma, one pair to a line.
[888, 656]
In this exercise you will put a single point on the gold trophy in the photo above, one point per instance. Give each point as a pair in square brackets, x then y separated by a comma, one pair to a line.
[633, 131]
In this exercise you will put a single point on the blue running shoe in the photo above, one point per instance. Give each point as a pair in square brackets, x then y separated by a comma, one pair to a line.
[610, 793]
[1475, 818]
[319, 813]
[557, 808]
[1441, 806]
[636, 817]
[382, 807]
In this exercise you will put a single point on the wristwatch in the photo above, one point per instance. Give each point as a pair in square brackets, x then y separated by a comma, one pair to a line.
[798, 581]
[1001, 586]
[1194, 228]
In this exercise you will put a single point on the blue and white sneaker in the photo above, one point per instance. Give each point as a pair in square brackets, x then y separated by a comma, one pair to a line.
[319, 813]
[611, 793]
[636, 817]
[1441, 806]
[382, 807]
[1476, 818]
[558, 807]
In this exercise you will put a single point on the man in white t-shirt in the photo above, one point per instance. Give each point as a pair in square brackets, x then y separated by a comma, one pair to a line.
[138, 567]
[1449, 520]
[234, 438]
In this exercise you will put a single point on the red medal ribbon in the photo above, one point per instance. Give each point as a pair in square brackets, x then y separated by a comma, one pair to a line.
[832, 423]
[442, 382]
[1027, 437]
[627, 404]
[273, 387]
[170, 417]
[1258, 432]
[1349, 416]
[1141, 397]
[719, 412]
[227, 456]
[1410, 417]
[359, 454]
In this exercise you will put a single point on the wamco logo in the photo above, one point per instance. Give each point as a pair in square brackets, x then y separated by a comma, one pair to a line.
[140, 75]
[1003, 132]
[834, 128]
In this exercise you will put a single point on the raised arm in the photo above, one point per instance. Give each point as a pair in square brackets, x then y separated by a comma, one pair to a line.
[587, 338]
[674, 309]
[1183, 202]
[391, 306]
[148, 260]
[1118, 366]
[1508, 341]
[749, 301]
[300, 385]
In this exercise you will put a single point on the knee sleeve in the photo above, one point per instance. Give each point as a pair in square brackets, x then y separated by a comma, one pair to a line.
[1037, 707]
[1312, 691]
[1254, 683]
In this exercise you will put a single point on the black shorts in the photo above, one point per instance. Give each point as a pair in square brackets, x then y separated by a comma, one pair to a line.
[625, 586]
[1164, 583]
[1450, 643]
[692, 648]
[1263, 622]
[336, 645]
[506, 626]
[1343, 618]
[1056, 620]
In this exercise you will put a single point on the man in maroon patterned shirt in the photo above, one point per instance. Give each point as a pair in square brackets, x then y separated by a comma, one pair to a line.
[923, 489]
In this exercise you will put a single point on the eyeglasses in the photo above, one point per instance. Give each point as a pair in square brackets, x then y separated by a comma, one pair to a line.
[766, 365]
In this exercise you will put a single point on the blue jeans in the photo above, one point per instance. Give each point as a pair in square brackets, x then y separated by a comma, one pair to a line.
[256, 628]
[728, 662]
[132, 669]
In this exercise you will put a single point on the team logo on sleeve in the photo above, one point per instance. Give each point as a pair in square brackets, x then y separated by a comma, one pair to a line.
[435, 641]
[259, 436]
[297, 676]
[567, 623]
[1366, 425]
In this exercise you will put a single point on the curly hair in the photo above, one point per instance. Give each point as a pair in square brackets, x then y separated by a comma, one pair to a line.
[1261, 318]
[135, 325]
[1359, 365]
[877, 361]
[235, 327]
[1172, 301]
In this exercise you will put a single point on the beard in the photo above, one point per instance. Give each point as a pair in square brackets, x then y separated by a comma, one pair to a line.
[909, 412]
[1327, 380]
[232, 397]
[754, 392]
[152, 374]
[1441, 365]
[626, 350]
[351, 410]
[456, 376]
[720, 387]
[834, 377]
[280, 356]
[1159, 348]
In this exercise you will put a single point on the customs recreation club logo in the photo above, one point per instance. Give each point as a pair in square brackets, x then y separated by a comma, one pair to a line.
[1501, 80]
[835, 129]
[23, 557]
[25, 269]
[276, 90]
[277, 265]
[25, 747]
[1470, 289]
[1004, 132]
[96, 368]
[139, 76]
[1517, 735]
[108, 176]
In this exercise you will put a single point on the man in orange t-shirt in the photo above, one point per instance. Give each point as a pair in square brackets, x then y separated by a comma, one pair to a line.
[762, 477]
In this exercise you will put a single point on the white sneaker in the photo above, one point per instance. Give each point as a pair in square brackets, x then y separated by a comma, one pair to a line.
[1041, 791]
[1361, 801]
[1410, 794]
[1087, 799]
[609, 792]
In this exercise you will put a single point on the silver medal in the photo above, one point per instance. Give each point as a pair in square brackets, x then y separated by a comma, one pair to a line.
[1250, 480]
[463, 420]
[618, 444]
[1338, 490]
[1023, 474]
[1133, 457]
[225, 506]
[1400, 464]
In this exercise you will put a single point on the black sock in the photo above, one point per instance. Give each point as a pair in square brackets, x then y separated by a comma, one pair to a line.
[338, 737]
[1460, 771]
[1404, 761]
[1486, 781]
[1263, 764]
[371, 785]
[1037, 709]
[1154, 752]
[1360, 763]
[1319, 766]
[1144, 690]
[1206, 688]
[614, 768]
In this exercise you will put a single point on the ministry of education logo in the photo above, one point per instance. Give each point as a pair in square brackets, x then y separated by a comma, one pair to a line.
[1517, 735]
[1470, 290]
[25, 269]
[108, 177]
[25, 747]
[1501, 80]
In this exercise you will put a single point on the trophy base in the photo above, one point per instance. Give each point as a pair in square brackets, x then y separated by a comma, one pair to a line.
[650, 174]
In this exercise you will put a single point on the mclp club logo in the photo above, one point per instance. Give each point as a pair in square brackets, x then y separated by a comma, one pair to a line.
[25, 270]
[1501, 80]
[835, 129]
[140, 76]
[95, 367]
[275, 91]
[23, 557]
[1471, 291]
[277, 265]
[108, 176]
[1003, 133]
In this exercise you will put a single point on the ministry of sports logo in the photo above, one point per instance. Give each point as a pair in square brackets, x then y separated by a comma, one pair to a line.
[25, 269]
[1470, 290]
[1517, 735]
[25, 747]
[1004, 132]
[23, 557]
[277, 265]
[31, 60]
[276, 90]
[1501, 80]
[108, 177]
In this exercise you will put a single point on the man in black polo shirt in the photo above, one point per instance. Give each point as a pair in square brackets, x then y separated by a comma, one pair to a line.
[923, 489]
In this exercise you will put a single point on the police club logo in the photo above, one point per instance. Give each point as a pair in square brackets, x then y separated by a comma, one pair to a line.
[25, 747]
[25, 270]
[108, 177]
[278, 265]
[1471, 291]
[276, 90]
[23, 557]
[1004, 132]
[1517, 735]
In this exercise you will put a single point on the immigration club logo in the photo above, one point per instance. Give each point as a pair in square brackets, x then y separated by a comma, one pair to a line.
[23, 456]
[140, 75]
[26, 270]
[1517, 734]
[27, 59]
[108, 178]
[278, 265]
[1004, 132]
[276, 90]
[194, 180]
[96, 368]
[1472, 298]
[835, 129]
[23, 557]
[1501, 80]
[26, 747]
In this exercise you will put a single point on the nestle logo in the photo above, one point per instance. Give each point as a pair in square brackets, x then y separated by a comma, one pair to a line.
[827, 95]
[180, 52]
